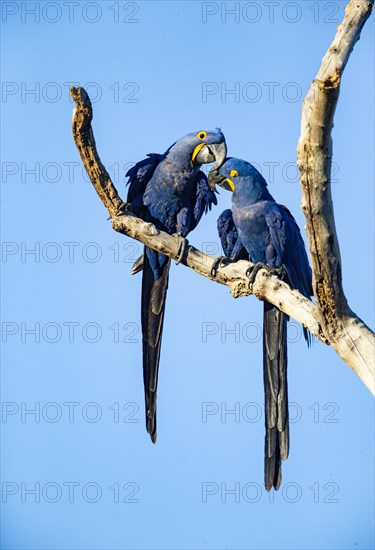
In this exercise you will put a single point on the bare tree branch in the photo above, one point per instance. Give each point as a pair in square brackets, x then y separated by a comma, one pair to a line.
[331, 320]
[85, 141]
[348, 335]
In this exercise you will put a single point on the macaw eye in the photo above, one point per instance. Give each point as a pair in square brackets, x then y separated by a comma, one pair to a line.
[202, 135]
[233, 173]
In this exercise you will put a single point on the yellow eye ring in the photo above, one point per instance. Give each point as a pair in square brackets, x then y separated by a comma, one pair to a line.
[202, 135]
[233, 173]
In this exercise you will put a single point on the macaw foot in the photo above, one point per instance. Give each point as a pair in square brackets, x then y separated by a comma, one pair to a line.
[183, 243]
[124, 207]
[252, 272]
[138, 265]
[222, 261]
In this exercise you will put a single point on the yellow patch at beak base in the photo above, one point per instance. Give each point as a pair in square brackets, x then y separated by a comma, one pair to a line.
[196, 151]
[231, 184]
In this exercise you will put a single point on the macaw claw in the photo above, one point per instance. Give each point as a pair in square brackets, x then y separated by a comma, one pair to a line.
[124, 207]
[252, 272]
[183, 243]
[222, 261]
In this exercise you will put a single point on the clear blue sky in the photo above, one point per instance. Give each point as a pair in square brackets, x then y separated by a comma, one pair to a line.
[174, 64]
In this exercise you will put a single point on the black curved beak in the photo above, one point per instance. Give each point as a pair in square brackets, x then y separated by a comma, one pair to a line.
[210, 152]
[215, 178]
[219, 151]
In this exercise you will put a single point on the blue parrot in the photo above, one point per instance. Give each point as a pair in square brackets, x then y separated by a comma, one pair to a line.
[260, 229]
[172, 192]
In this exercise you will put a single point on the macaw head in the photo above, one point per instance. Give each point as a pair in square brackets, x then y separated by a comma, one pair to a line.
[200, 148]
[236, 174]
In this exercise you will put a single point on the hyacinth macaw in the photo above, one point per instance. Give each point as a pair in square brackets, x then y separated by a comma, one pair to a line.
[266, 232]
[172, 192]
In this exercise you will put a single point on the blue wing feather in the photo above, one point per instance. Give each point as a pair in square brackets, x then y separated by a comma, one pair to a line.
[230, 240]
[287, 249]
[204, 199]
[139, 176]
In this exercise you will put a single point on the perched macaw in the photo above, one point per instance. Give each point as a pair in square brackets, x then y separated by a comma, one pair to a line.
[172, 192]
[265, 232]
